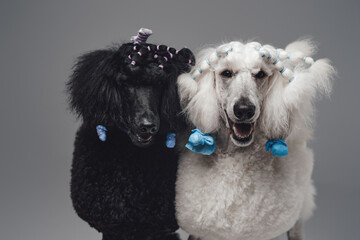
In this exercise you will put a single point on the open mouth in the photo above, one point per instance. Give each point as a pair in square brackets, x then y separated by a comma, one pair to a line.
[141, 140]
[144, 138]
[241, 133]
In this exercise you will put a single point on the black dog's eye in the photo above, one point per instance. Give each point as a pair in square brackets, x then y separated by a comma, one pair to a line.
[227, 74]
[261, 74]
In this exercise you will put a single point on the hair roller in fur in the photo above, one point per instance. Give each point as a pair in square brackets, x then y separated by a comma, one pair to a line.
[201, 143]
[101, 131]
[280, 56]
[170, 140]
[142, 36]
[278, 147]
[207, 64]
[308, 60]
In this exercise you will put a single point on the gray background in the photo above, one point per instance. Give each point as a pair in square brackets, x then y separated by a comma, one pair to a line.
[39, 41]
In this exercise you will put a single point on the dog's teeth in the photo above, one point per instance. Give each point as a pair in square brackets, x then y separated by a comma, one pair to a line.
[140, 139]
[242, 133]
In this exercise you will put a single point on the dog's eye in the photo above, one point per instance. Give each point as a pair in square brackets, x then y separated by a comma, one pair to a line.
[261, 74]
[227, 74]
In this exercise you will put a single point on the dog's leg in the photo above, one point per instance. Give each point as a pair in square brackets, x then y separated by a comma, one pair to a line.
[193, 238]
[295, 233]
[277, 238]
[144, 235]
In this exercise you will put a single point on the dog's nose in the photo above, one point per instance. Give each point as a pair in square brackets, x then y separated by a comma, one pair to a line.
[148, 127]
[244, 111]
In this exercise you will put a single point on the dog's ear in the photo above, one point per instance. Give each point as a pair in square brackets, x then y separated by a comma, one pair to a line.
[171, 109]
[92, 87]
[289, 105]
[199, 98]
[275, 116]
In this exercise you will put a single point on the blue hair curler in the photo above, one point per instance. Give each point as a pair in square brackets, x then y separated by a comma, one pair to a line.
[201, 143]
[170, 140]
[101, 131]
[277, 147]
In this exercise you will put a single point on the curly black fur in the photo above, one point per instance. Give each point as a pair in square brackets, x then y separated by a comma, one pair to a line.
[125, 187]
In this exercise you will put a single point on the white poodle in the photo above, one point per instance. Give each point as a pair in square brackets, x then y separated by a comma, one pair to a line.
[245, 95]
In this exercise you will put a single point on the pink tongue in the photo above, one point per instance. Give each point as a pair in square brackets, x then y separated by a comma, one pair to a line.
[242, 129]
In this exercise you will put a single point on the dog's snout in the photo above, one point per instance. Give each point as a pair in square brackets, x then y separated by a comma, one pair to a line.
[244, 111]
[148, 127]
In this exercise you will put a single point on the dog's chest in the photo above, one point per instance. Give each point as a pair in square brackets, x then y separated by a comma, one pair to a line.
[237, 196]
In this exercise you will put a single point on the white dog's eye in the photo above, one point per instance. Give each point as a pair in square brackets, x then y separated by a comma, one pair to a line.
[227, 74]
[261, 74]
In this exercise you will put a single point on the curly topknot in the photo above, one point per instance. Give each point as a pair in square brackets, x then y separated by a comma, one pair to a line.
[154, 59]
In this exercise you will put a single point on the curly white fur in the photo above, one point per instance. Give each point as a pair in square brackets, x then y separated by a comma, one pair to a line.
[242, 192]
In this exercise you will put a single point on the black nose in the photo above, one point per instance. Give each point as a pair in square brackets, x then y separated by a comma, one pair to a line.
[244, 111]
[148, 127]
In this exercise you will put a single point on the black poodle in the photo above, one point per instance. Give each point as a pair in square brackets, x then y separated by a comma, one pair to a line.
[123, 174]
